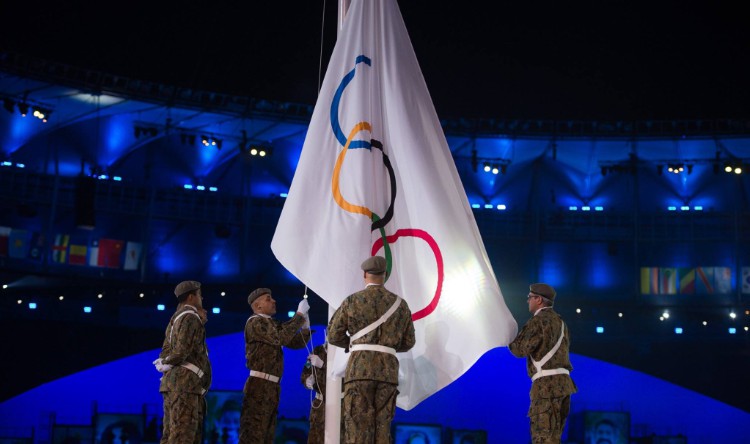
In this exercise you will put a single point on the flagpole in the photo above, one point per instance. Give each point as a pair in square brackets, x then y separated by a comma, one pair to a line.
[333, 382]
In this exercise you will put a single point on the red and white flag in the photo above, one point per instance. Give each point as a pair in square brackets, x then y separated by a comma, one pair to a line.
[376, 176]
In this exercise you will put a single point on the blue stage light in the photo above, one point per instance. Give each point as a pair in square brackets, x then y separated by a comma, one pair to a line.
[475, 206]
[732, 330]
[216, 310]
[586, 208]
[678, 330]
[488, 206]
[502, 207]
[291, 314]
[32, 305]
[187, 186]
[671, 208]
[87, 309]
[160, 307]
[600, 329]
[599, 208]
[573, 208]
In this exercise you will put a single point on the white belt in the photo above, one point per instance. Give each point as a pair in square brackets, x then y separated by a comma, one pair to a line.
[550, 372]
[373, 347]
[266, 376]
[193, 368]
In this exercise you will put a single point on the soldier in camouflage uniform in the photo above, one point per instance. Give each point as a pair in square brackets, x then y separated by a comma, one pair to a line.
[314, 378]
[264, 337]
[371, 379]
[545, 343]
[185, 366]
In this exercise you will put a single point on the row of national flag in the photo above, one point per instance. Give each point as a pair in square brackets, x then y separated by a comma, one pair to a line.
[696, 280]
[72, 250]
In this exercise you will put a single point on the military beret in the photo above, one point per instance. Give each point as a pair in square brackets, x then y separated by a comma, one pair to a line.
[374, 265]
[255, 294]
[186, 287]
[544, 290]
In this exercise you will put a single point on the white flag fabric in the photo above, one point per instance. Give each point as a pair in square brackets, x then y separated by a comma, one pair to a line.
[376, 176]
[132, 255]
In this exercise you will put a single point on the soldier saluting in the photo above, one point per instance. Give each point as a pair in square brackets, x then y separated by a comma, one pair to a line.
[185, 366]
[380, 325]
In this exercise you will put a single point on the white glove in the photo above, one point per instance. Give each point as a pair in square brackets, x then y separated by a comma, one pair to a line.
[316, 361]
[162, 368]
[309, 382]
[307, 322]
[303, 307]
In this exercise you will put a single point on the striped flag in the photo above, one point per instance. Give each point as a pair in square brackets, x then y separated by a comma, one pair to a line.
[667, 281]
[94, 253]
[77, 251]
[649, 280]
[376, 176]
[60, 248]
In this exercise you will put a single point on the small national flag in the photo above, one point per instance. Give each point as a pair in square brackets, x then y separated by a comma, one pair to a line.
[18, 244]
[667, 281]
[132, 255]
[649, 280]
[746, 280]
[36, 246]
[723, 280]
[77, 252]
[94, 253]
[704, 280]
[110, 251]
[60, 249]
[4, 240]
[687, 280]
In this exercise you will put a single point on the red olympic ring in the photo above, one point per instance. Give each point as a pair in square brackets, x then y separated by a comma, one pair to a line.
[438, 259]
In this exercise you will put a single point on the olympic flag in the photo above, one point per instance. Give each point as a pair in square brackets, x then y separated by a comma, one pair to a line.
[376, 176]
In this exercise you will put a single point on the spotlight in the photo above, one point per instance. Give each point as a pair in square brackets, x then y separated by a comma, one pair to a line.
[487, 167]
[495, 169]
[23, 108]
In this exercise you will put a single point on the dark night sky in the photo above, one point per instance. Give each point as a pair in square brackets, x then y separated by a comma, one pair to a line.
[594, 60]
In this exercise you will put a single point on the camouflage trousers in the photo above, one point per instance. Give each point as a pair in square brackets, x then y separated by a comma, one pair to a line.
[183, 418]
[369, 407]
[547, 417]
[260, 406]
[317, 422]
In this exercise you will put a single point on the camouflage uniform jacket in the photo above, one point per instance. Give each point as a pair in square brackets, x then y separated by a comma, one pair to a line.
[319, 375]
[185, 342]
[264, 337]
[357, 312]
[536, 339]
